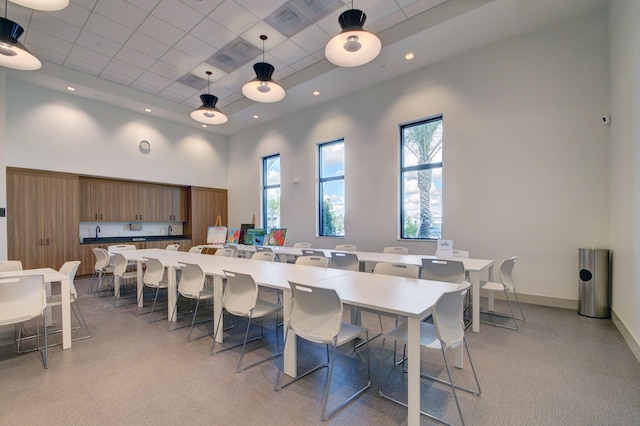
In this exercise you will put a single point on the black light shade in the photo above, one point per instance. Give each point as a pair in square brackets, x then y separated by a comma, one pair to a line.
[263, 88]
[208, 113]
[12, 53]
[354, 45]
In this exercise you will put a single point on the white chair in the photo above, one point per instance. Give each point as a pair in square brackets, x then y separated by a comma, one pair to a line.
[120, 265]
[120, 247]
[225, 252]
[233, 248]
[450, 271]
[241, 299]
[101, 268]
[446, 333]
[346, 247]
[264, 248]
[292, 259]
[319, 261]
[316, 316]
[348, 261]
[21, 299]
[191, 286]
[396, 250]
[506, 285]
[69, 269]
[173, 247]
[154, 277]
[308, 252]
[196, 249]
[10, 265]
[263, 255]
[456, 253]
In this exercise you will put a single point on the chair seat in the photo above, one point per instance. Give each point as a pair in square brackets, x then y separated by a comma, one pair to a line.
[129, 275]
[161, 284]
[206, 293]
[494, 286]
[428, 337]
[261, 309]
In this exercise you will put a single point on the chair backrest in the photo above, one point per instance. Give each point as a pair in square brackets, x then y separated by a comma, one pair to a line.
[120, 247]
[196, 249]
[347, 261]
[231, 247]
[226, 252]
[262, 248]
[346, 247]
[463, 254]
[70, 268]
[316, 313]
[240, 293]
[153, 273]
[506, 271]
[263, 255]
[396, 250]
[302, 245]
[320, 261]
[21, 298]
[451, 271]
[10, 265]
[306, 252]
[447, 316]
[397, 269]
[102, 258]
[173, 247]
[191, 280]
[120, 264]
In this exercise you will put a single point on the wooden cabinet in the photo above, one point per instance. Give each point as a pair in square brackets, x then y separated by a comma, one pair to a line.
[42, 217]
[136, 202]
[206, 204]
[171, 204]
[97, 200]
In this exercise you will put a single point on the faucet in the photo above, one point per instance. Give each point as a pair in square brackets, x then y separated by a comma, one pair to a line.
[97, 231]
[169, 230]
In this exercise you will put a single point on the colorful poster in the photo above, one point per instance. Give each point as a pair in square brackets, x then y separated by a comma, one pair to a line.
[233, 236]
[253, 235]
[276, 237]
[216, 234]
[243, 231]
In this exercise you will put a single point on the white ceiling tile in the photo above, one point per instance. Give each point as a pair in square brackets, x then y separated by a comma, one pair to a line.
[195, 47]
[148, 45]
[319, 55]
[311, 39]
[288, 52]
[282, 73]
[135, 57]
[89, 56]
[183, 90]
[122, 12]
[108, 29]
[230, 99]
[54, 27]
[329, 24]
[378, 9]
[146, 5]
[274, 37]
[72, 14]
[82, 66]
[48, 42]
[233, 17]
[174, 96]
[98, 44]
[230, 82]
[386, 22]
[204, 7]
[152, 79]
[195, 102]
[405, 3]
[167, 70]
[180, 60]
[201, 69]
[420, 6]
[178, 14]
[213, 33]
[145, 87]
[261, 8]
[118, 78]
[124, 68]
[47, 55]
[303, 63]
[161, 31]
[245, 73]
[220, 92]
[89, 4]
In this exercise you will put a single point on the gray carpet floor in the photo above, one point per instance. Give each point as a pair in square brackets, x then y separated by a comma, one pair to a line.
[559, 368]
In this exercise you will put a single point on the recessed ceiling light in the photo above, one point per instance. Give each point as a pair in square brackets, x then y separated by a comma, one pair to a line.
[256, 116]
[408, 56]
[204, 125]
[71, 89]
[316, 93]
[147, 110]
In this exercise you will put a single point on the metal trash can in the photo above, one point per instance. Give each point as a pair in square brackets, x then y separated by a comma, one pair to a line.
[594, 283]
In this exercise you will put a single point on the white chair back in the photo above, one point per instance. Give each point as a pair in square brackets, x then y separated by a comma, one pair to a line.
[316, 313]
[447, 317]
[451, 271]
[240, 294]
[191, 280]
[70, 268]
[396, 250]
[302, 245]
[397, 269]
[306, 252]
[154, 272]
[319, 261]
[226, 252]
[346, 247]
[262, 248]
[506, 271]
[102, 259]
[348, 261]
[173, 247]
[263, 255]
[233, 248]
[196, 249]
[10, 265]
[21, 298]
[119, 264]
[120, 247]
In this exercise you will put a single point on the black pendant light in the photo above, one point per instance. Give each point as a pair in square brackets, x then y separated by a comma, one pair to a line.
[208, 113]
[263, 88]
[354, 46]
[12, 53]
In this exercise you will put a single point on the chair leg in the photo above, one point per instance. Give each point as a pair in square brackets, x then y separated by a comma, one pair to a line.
[453, 387]
[515, 293]
[153, 307]
[78, 313]
[193, 321]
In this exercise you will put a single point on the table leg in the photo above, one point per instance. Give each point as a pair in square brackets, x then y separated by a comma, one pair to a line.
[413, 375]
[172, 293]
[140, 283]
[474, 276]
[65, 293]
[290, 353]
[48, 311]
[217, 306]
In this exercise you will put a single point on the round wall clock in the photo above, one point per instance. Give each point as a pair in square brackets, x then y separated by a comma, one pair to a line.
[145, 147]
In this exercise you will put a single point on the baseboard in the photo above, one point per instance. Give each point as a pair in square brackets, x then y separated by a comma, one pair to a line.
[553, 302]
[633, 343]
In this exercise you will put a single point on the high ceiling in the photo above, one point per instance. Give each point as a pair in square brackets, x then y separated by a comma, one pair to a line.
[153, 54]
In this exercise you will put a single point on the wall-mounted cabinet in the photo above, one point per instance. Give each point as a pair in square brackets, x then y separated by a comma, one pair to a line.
[171, 204]
[207, 205]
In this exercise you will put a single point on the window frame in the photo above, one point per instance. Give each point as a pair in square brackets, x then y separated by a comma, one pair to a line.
[322, 180]
[266, 187]
[416, 168]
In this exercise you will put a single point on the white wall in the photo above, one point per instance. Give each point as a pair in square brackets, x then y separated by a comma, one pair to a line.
[53, 131]
[525, 157]
[625, 163]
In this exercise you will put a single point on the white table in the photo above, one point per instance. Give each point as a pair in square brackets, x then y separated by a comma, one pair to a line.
[51, 275]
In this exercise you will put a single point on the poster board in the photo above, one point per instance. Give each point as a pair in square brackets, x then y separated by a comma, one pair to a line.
[254, 236]
[243, 232]
[216, 234]
[233, 235]
[276, 237]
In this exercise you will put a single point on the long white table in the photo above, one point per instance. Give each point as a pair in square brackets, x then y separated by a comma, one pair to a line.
[50, 276]
[408, 297]
[474, 267]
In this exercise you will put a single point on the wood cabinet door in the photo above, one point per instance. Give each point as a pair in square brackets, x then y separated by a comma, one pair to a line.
[25, 219]
[206, 205]
[164, 204]
[61, 217]
[97, 201]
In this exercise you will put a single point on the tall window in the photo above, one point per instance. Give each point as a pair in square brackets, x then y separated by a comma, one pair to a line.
[271, 192]
[421, 179]
[331, 189]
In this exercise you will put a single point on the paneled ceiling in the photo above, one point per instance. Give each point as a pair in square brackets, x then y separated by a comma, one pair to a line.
[153, 54]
